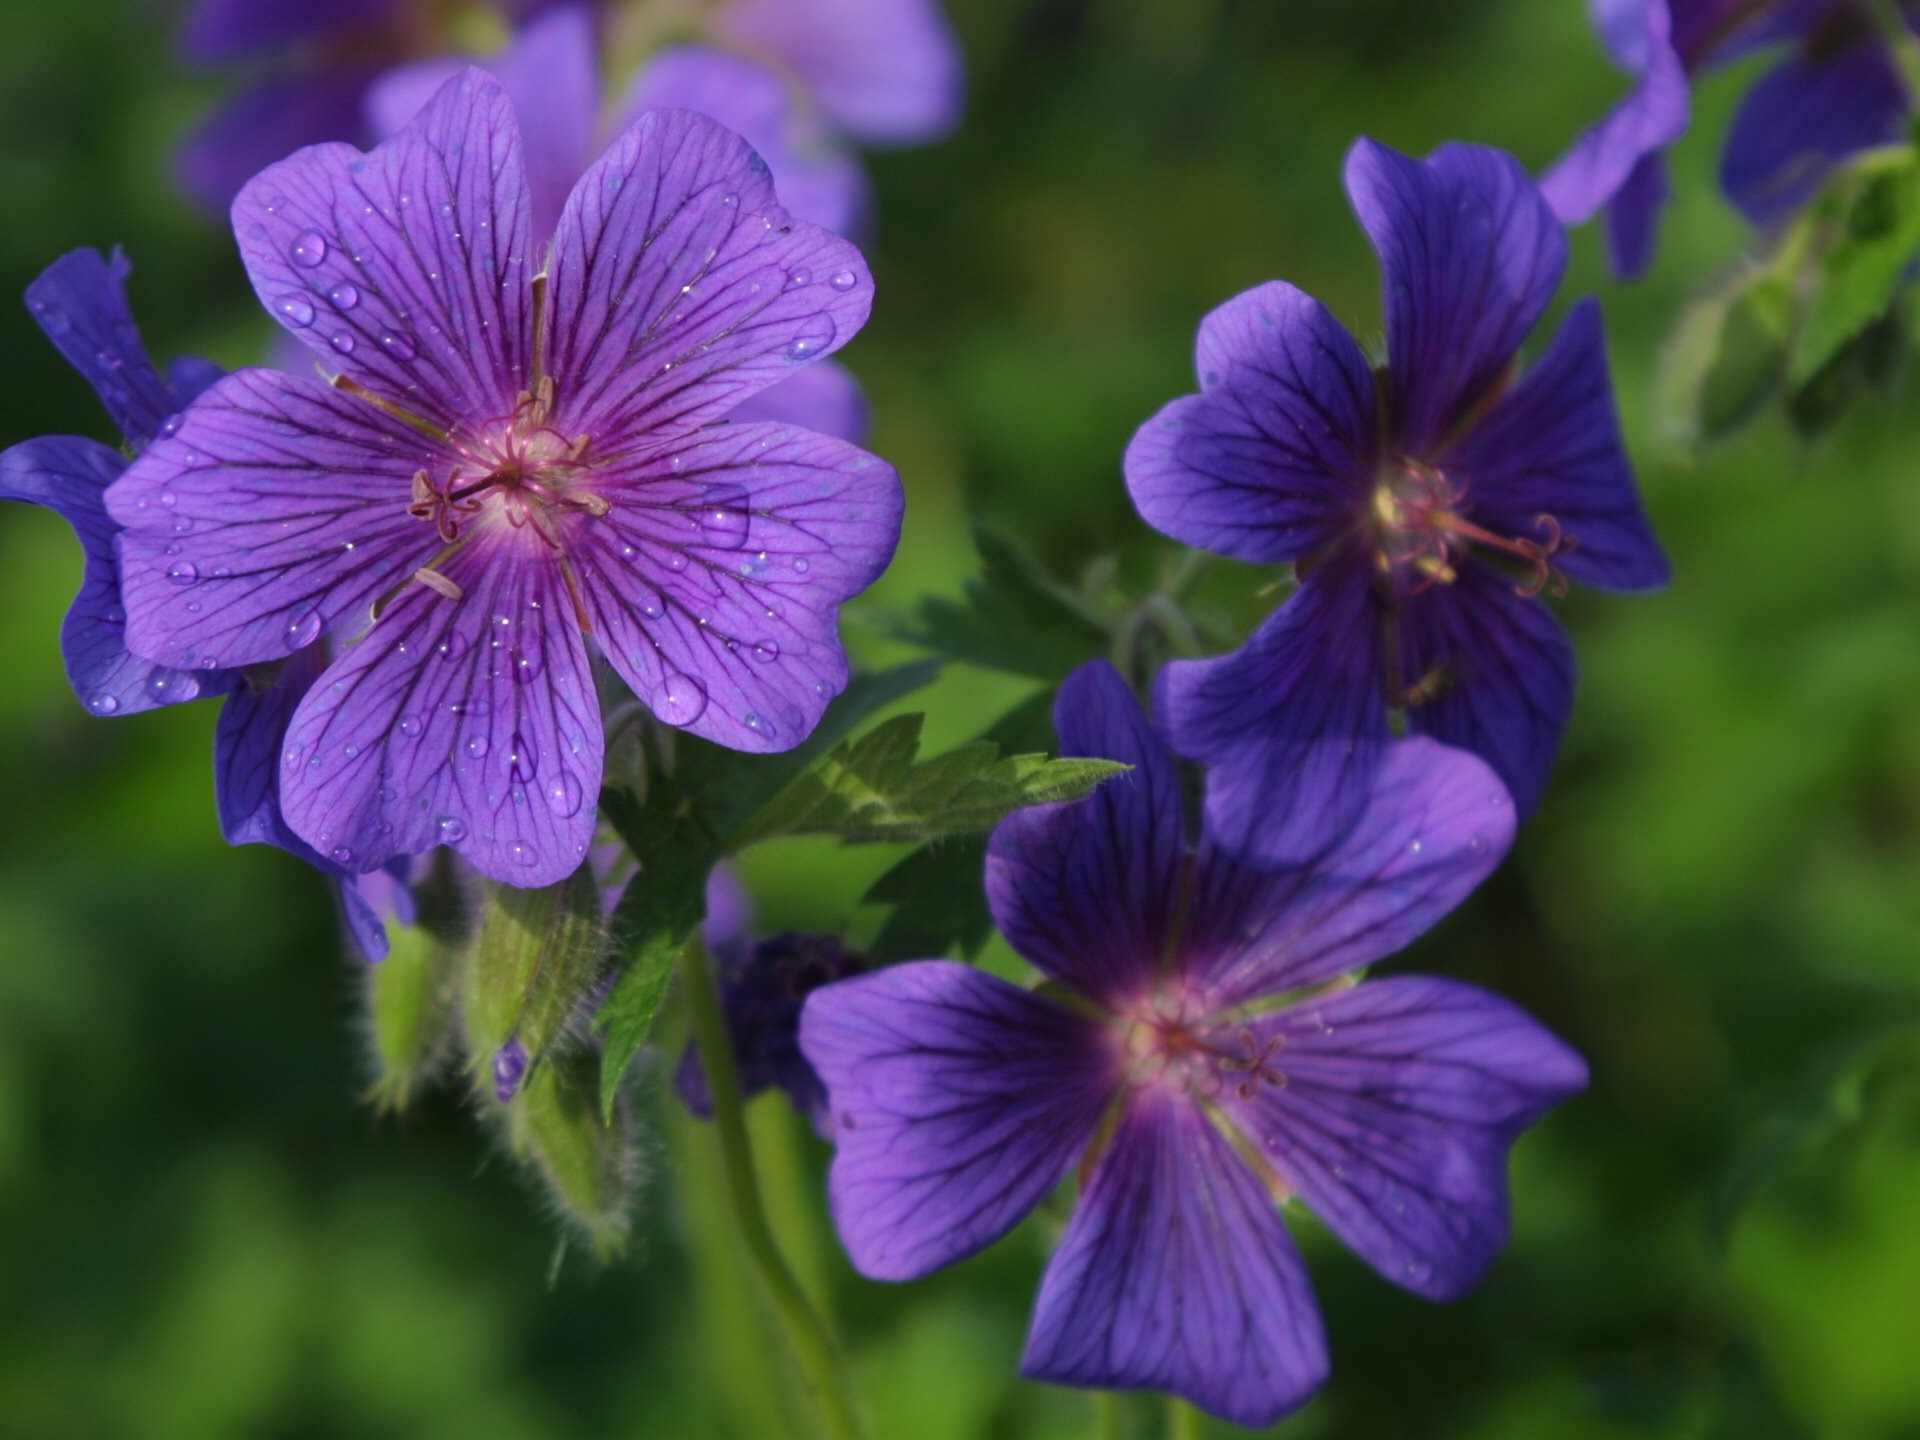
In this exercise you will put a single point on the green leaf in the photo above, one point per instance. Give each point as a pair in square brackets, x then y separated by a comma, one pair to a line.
[1861, 271]
[1726, 359]
[938, 902]
[696, 803]
[1014, 617]
[872, 789]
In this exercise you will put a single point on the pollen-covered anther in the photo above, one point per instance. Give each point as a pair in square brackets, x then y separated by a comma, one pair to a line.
[1419, 531]
[1198, 1059]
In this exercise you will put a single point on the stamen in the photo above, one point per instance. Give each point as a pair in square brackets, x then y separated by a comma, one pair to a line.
[406, 417]
[439, 583]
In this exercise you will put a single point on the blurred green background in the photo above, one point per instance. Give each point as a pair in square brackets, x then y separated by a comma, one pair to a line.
[205, 1233]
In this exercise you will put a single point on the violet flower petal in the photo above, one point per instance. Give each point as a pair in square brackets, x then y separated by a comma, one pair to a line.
[407, 268]
[886, 72]
[1512, 675]
[263, 123]
[1402, 1098]
[1086, 890]
[69, 476]
[1803, 116]
[80, 301]
[293, 498]
[1633, 216]
[1436, 823]
[247, 744]
[1266, 462]
[469, 723]
[1290, 725]
[816, 179]
[1652, 116]
[958, 1101]
[215, 31]
[1552, 446]
[1471, 257]
[681, 287]
[714, 581]
[1175, 1273]
[823, 397]
[551, 72]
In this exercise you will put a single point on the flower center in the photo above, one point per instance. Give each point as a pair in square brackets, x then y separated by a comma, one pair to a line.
[1419, 535]
[1198, 1058]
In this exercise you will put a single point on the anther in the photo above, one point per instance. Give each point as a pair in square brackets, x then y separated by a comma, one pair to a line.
[439, 583]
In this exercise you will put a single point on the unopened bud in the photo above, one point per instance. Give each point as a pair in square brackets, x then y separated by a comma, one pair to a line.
[588, 1164]
[409, 993]
[537, 953]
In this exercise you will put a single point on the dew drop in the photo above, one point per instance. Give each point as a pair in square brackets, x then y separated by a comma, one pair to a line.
[343, 296]
[341, 854]
[723, 519]
[682, 701]
[802, 565]
[844, 280]
[340, 340]
[523, 758]
[476, 745]
[309, 249]
[170, 426]
[521, 852]
[183, 572]
[168, 687]
[760, 725]
[798, 278]
[303, 627]
[409, 725]
[101, 703]
[765, 651]
[452, 829]
[53, 319]
[564, 794]
[816, 334]
[676, 561]
[398, 344]
[295, 311]
[168, 499]
[651, 605]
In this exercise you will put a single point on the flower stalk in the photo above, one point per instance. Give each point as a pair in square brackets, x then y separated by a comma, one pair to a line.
[806, 1330]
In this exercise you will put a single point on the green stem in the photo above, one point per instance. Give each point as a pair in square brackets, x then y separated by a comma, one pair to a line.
[813, 1344]
[1106, 1415]
[1183, 1421]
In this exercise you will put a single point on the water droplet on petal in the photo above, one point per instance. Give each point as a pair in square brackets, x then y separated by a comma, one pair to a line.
[452, 829]
[409, 725]
[682, 700]
[170, 426]
[844, 280]
[398, 344]
[676, 561]
[303, 627]
[523, 758]
[651, 605]
[341, 854]
[564, 794]
[341, 341]
[53, 319]
[765, 651]
[802, 565]
[168, 687]
[295, 310]
[723, 519]
[521, 853]
[101, 703]
[760, 725]
[816, 334]
[798, 278]
[183, 572]
[477, 745]
[343, 296]
[309, 249]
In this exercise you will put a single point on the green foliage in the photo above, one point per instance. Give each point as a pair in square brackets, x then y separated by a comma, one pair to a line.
[535, 956]
[584, 1157]
[873, 789]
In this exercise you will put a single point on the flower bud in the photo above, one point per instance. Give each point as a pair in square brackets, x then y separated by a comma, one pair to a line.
[588, 1164]
[537, 953]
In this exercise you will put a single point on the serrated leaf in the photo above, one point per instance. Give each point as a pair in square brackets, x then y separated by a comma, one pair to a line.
[1013, 617]
[1862, 268]
[938, 902]
[871, 789]
[689, 819]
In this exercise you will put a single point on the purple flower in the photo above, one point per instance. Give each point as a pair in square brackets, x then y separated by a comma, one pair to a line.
[762, 988]
[1424, 506]
[513, 456]
[1200, 1054]
[1838, 92]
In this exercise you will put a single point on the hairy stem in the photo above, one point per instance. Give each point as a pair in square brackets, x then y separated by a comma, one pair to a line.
[813, 1344]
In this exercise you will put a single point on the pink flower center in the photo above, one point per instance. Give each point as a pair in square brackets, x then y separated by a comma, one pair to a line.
[1419, 534]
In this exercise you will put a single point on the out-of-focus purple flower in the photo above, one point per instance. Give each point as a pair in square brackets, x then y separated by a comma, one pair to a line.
[551, 72]
[1201, 1055]
[762, 988]
[509, 1069]
[1424, 506]
[510, 458]
[1837, 92]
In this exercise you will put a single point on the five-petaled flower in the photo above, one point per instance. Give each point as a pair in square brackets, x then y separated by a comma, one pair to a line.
[1424, 506]
[516, 452]
[1199, 1051]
